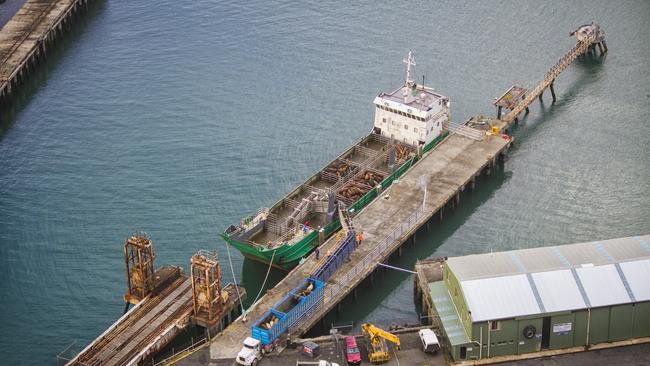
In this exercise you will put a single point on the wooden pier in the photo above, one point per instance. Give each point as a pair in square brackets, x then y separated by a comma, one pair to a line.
[142, 330]
[26, 39]
[166, 301]
[588, 36]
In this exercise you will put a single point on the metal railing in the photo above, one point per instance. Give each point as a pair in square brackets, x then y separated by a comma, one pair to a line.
[564, 62]
[364, 266]
[178, 355]
[464, 130]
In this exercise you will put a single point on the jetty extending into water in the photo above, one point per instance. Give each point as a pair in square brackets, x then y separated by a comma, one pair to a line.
[26, 39]
[166, 301]
[394, 215]
[421, 196]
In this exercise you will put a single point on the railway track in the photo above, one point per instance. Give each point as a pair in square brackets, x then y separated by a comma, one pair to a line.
[132, 336]
[47, 5]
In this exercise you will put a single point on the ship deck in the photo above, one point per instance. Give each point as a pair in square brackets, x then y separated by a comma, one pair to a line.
[369, 153]
[450, 167]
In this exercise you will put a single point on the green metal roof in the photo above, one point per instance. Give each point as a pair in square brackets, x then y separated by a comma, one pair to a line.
[448, 315]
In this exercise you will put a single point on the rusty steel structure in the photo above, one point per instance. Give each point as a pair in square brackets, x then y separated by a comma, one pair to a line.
[138, 259]
[206, 287]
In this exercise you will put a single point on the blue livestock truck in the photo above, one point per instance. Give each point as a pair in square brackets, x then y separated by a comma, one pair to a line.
[298, 303]
[287, 311]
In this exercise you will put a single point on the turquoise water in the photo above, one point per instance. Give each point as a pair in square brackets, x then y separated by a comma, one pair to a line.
[178, 118]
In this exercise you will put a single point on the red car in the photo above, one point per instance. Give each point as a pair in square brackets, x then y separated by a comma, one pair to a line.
[352, 353]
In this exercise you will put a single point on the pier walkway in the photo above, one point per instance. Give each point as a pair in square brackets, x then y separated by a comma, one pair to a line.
[404, 207]
[151, 323]
[26, 38]
[386, 223]
[588, 37]
[154, 322]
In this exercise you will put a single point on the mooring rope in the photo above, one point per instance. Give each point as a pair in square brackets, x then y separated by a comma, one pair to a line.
[232, 270]
[265, 278]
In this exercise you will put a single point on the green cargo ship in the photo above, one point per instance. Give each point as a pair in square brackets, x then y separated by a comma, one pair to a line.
[408, 122]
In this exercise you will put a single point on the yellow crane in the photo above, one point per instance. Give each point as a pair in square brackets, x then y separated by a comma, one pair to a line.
[378, 351]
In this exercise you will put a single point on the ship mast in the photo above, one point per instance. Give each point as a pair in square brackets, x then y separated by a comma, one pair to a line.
[409, 90]
[409, 61]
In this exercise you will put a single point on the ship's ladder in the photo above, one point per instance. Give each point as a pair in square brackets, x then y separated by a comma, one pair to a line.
[303, 208]
[346, 221]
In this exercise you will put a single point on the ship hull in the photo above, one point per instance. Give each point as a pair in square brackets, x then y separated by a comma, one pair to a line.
[288, 256]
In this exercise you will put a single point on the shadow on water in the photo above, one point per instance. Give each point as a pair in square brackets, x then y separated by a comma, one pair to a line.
[588, 66]
[371, 293]
[39, 74]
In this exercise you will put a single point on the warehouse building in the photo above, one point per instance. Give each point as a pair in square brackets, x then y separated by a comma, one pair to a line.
[530, 300]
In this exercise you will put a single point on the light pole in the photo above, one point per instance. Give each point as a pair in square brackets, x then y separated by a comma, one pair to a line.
[423, 182]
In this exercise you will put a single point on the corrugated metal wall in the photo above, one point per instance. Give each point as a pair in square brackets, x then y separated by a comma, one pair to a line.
[569, 329]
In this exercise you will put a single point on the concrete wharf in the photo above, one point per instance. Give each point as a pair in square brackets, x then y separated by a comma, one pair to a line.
[386, 223]
[420, 195]
[27, 37]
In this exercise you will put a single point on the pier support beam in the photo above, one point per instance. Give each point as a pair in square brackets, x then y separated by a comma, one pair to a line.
[540, 96]
[522, 98]
[604, 45]
[499, 108]
[552, 91]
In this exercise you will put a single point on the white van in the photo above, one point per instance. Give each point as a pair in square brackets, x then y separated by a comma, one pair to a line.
[429, 341]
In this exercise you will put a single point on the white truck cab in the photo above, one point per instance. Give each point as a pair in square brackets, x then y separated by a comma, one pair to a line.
[251, 352]
[429, 341]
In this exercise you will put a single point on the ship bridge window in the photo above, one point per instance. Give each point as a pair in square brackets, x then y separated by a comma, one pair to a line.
[415, 130]
[383, 120]
[406, 127]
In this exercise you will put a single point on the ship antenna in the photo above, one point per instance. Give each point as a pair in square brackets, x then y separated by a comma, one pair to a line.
[409, 61]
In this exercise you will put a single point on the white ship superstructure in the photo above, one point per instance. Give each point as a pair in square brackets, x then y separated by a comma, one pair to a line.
[412, 114]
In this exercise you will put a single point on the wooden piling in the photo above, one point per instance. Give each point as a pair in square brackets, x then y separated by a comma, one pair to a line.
[552, 91]
[26, 38]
